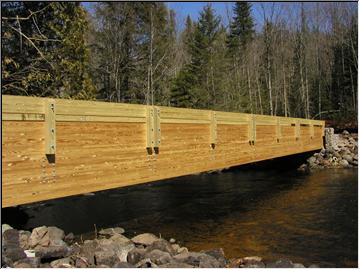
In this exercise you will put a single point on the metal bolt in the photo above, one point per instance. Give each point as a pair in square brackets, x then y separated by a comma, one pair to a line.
[52, 130]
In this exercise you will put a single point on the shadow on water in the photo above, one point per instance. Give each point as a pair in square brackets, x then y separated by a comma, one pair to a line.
[267, 209]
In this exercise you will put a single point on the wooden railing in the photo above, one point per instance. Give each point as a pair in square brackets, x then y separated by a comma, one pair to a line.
[53, 148]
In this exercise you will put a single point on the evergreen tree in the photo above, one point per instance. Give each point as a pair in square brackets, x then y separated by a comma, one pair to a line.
[241, 27]
[44, 50]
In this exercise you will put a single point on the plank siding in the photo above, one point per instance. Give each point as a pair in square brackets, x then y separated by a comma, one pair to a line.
[103, 145]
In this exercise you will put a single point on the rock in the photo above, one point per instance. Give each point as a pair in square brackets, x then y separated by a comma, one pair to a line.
[343, 163]
[176, 265]
[135, 255]
[24, 239]
[176, 247]
[311, 161]
[282, 263]
[12, 254]
[197, 259]
[253, 265]
[345, 132]
[5, 227]
[39, 236]
[146, 263]
[49, 252]
[19, 264]
[69, 238]
[61, 263]
[172, 241]
[123, 265]
[314, 266]
[158, 257]
[102, 266]
[303, 168]
[182, 250]
[355, 157]
[298, 265]
[81, 262]
[145, 239]
[111, 231]
[234, 263]
[218, 254]
[55, 233]
[120, 239]
[87, 250]
[162, 245]
[106, 257]
[348, 158]
[120, 247]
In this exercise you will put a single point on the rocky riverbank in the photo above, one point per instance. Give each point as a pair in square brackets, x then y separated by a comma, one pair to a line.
[341, 151]
[49, 247]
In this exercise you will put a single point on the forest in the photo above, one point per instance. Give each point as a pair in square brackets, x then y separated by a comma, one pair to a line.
[299, 60]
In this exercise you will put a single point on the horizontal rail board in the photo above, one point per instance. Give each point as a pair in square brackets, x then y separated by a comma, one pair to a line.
[101, 145]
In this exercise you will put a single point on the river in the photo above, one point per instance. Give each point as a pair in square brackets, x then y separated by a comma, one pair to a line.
[308, 218]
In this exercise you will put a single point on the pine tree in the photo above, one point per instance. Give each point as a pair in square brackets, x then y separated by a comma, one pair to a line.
[241, 27]
[47, 47]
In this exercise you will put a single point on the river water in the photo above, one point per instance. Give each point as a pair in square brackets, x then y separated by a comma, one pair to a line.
[308, 218]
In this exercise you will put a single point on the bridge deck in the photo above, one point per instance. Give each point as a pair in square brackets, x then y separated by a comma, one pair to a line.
[53, 148]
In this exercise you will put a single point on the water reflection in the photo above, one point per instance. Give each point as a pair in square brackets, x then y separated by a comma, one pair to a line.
[307, 218]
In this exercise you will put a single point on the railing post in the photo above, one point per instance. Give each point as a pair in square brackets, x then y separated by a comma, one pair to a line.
[297, 130]
[153, 131]
[278, 129]
[252, 129]
[213, 129]
[50, 127]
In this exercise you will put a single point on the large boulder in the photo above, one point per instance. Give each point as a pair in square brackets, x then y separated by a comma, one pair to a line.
[135, 255]
[145, 239]
[11, 251]
[119, 246]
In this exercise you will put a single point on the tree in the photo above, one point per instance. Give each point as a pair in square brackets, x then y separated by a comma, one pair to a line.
[44, 50]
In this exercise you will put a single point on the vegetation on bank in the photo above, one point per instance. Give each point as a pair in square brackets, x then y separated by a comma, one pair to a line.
[300, 61]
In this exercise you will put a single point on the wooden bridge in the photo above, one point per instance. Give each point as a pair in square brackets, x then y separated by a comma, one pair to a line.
[53, 148]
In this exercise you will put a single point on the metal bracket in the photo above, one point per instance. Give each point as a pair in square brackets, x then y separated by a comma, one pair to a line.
[278, 130]
[50, 127]
[252, 129]
[153, 131]
[213, 129]
[297, 130]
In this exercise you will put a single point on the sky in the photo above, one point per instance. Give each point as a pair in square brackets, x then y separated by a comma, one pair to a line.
[182, 9]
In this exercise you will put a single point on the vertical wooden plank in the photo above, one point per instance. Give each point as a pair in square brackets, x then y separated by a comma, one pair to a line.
[50, 127]
[311, 131]
[156, 130]
[149, 127]
[213, 128]
[252, 129]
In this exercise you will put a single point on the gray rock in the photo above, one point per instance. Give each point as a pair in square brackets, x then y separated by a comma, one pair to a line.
[120, 247]
[135, 255]
[345, 132]
[253, 265]
[343, 163]
[24, 239]
[218, 254]
[348, 158]
[33, 262]
[158, 257]
[197, 259]
[146, 263]
[176, 265]
[69, 238]
[61, 263]
[145, 239]
[182, 250]
[111, 231]
[299, 265]
[5, 227]
[120, 239]
[311, 161]
[176, 247]
[282, 263]
[88, 249]
[49, 252]
[55, 233]
[106, 257]
[81, 262]
[314, 266]
[123, 265]
[162, 245]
